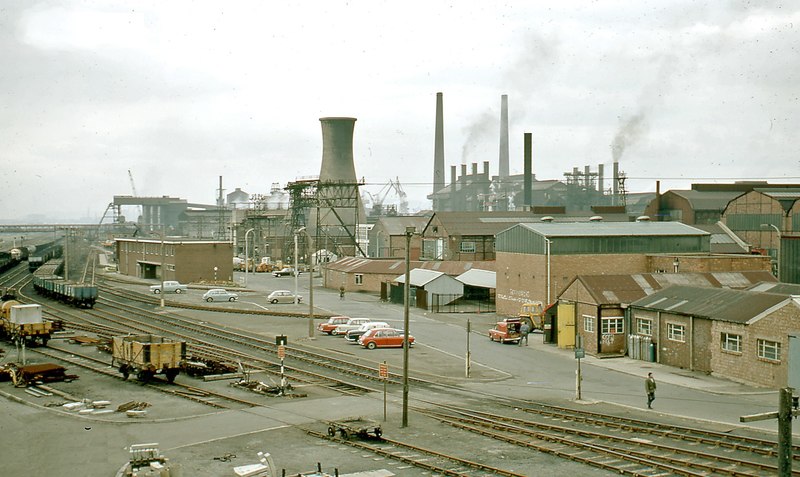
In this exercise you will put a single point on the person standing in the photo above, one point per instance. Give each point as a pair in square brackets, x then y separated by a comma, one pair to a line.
[650, 389]
[523, 333]
[341, 292]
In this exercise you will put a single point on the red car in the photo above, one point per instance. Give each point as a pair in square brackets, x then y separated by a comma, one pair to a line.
[384, 338]
[332, 323]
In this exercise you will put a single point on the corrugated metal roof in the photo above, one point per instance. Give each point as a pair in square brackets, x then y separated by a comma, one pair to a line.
[616, 289]
[606, 229]
[397, 225]
[791, 289]
[394, 265]
[737, 306]
[478, 278]
[707, 200]
[721, 239]
[791, 194]
[418, 277]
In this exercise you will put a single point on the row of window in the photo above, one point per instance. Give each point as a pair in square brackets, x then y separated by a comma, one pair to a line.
[770, 350]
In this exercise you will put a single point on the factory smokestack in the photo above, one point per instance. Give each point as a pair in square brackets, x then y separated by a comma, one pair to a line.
[438, 147]
[614, 183]
[503, 137]
[600, 179]
[527, 169]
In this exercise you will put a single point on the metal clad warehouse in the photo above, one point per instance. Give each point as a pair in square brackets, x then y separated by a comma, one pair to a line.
[536, 261]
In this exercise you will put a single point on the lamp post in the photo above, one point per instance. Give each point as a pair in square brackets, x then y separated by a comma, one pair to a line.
[310, 279]
[409, 232]
[778, 250]
[246, 255]
[163, 268]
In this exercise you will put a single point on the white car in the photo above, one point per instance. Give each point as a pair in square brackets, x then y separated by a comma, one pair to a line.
[170, 286]
[353, 335]
[219, 294]
[351, 324]
[283, 296]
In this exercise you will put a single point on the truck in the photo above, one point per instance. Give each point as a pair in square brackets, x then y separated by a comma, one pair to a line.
[506, 331]
[533, 313]
[170, 286]
[148, 355]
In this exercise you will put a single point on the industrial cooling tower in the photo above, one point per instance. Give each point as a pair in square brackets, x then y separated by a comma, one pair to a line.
[340, 209]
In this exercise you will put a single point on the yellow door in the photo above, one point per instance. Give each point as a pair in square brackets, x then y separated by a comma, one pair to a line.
[566, 325]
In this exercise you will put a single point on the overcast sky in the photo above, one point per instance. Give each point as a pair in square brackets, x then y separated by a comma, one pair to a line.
[180, 93]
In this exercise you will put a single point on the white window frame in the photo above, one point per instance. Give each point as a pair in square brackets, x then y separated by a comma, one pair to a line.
[606, 325]
[731, 342]
[588, 323]
[359, 278]
[676, 332]
[640, 326]
[467, 246]
[769, 350]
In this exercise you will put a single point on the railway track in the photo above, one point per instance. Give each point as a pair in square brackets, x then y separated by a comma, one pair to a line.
[435, 462]
[631, 452]
[193, 393]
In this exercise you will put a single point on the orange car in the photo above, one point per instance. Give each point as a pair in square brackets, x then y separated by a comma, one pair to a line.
[384, 338]
[332, 323]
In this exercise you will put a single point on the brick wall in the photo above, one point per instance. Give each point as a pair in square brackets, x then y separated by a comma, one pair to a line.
[523, 277]
[747, 366]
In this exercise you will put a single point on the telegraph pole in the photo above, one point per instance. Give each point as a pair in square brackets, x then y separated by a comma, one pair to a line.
[786, 412]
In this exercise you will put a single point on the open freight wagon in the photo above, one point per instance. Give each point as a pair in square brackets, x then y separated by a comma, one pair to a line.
[148, 355]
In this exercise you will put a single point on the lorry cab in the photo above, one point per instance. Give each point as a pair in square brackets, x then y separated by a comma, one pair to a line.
[506, 331]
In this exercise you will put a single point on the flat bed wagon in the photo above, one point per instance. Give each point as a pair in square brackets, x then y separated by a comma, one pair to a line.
[358, 427]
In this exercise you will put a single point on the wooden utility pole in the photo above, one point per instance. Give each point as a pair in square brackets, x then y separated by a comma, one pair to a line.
[786, 412]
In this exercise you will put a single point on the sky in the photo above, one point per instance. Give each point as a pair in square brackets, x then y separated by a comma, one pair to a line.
[180, 93]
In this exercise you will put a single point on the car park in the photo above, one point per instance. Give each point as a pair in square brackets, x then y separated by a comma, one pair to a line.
[353, 335]
[384, 338]
[283, 296]
[219, 294]
[351, 324]
[170, 286]
[330, 325]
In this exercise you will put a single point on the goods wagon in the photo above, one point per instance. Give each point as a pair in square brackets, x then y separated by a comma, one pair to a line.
[48, 282]
[147, 355]
[24, 323]
[7, 261]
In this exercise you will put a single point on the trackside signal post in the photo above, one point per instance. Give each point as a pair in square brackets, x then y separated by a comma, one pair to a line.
[383, 372]
[787, 409]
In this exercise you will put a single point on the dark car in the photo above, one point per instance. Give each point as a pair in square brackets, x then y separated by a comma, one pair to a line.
[353, 335]
[283, 272]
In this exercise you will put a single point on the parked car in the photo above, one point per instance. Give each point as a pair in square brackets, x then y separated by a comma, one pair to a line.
[283, 296]
[351, 324]
[353, 335]
[170, 286]
[219, 294]
[283, 272]
[384, 338]
[506, 331]
[330, 325]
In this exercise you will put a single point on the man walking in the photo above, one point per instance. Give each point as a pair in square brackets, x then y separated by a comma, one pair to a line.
[523, 333]
[650, 388]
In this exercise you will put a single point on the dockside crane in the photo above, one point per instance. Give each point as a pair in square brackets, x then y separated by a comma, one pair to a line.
[133, 189]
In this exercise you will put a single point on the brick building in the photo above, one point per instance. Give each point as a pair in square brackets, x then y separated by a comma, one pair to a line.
[769, 219]
[187, 261]
[537, 261]
[736, 334]
[599, 301]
